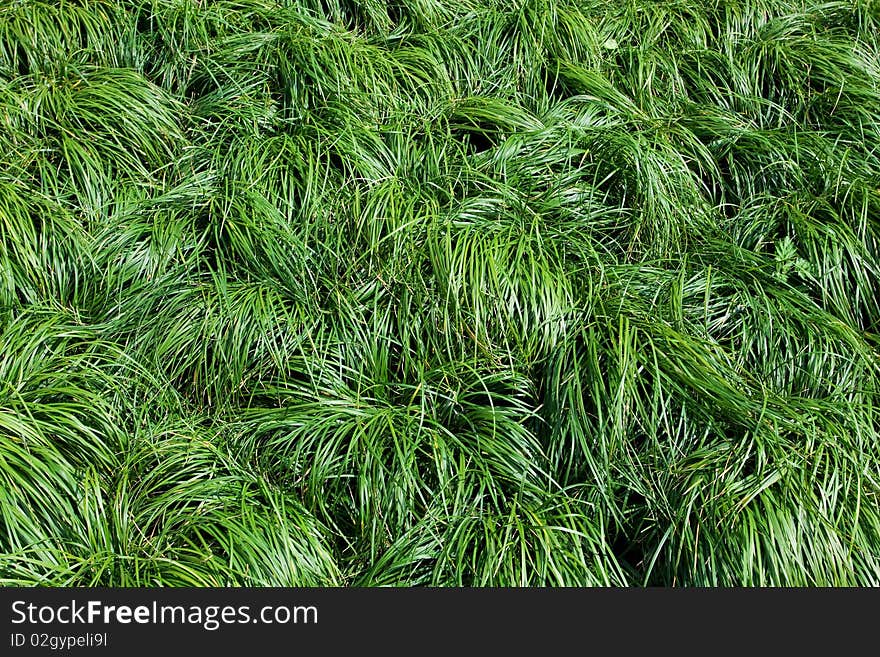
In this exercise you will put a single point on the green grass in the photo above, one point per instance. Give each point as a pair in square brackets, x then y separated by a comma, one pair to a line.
[432, 292]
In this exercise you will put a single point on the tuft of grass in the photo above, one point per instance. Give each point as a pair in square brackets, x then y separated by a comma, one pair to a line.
[517, 293]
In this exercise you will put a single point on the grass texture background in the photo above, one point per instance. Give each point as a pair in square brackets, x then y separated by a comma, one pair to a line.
[439, 292]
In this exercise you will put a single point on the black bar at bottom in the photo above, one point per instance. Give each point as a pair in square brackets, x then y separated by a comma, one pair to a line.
[454, 621]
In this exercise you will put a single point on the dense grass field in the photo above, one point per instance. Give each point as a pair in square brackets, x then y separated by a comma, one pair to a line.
[439, 292]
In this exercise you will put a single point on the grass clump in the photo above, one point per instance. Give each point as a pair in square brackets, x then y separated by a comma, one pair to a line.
[439, 293]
